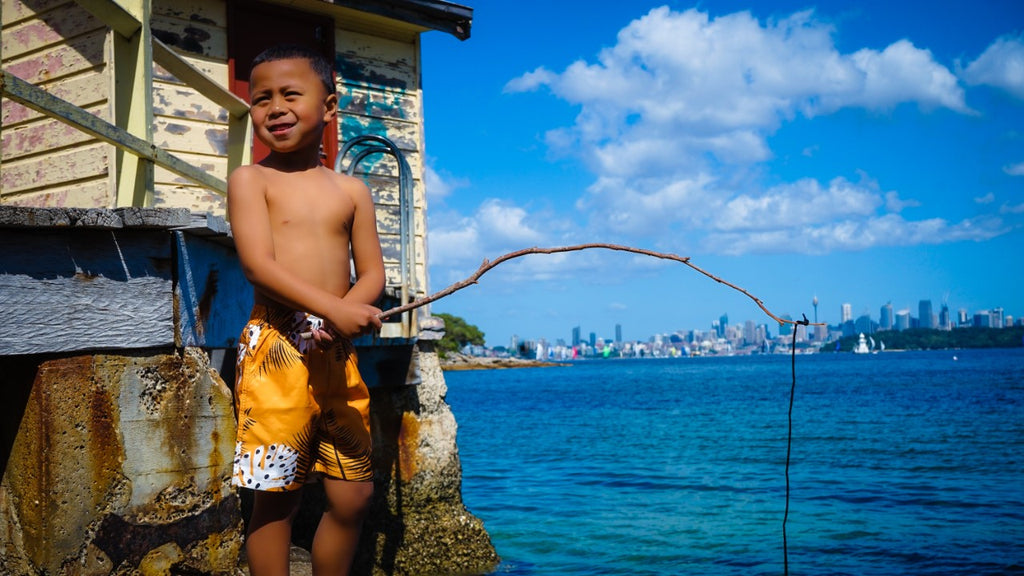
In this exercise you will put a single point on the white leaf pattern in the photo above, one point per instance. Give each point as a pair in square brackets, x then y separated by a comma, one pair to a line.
[266, 467]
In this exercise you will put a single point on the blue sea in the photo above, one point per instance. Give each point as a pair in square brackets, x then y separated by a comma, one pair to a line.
[902, 463]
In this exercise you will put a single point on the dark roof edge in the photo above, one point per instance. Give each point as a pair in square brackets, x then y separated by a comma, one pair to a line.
[449, 17]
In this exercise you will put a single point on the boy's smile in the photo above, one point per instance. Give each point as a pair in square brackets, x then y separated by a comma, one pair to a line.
[289, 105]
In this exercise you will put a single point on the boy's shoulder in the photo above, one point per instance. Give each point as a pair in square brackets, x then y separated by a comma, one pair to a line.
[245, 177]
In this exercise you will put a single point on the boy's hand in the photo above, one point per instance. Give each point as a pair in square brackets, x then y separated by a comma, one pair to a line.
[351, 319]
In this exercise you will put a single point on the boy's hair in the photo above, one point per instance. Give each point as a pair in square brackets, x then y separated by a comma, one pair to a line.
[317, 61]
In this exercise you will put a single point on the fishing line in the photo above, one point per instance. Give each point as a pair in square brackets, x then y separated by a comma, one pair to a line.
[789, 442]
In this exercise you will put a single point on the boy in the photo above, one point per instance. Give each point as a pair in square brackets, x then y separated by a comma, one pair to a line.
[303, 409]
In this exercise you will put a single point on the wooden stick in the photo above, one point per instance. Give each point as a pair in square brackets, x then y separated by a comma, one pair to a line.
[489, 264]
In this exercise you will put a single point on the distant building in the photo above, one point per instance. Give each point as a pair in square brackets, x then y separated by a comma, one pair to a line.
[723, 324]
[593, 339]
[576, 336]
[961, 317]
[863, 325]
[944, 322]
[997, 318]
[982, 319]
[885, 318]
[785, 329]
[903, 320]
[618, 333]
[924, 314]
[847, 313]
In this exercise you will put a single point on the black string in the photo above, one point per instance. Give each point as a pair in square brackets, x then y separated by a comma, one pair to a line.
[789, 441]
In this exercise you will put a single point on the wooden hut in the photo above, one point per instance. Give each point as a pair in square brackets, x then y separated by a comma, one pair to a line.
[118, 281]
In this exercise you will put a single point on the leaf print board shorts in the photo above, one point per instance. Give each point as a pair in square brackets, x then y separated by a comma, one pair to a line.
[303, 411]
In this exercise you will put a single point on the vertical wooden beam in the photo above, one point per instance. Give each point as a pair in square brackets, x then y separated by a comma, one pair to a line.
[239, 142]
[133, 104]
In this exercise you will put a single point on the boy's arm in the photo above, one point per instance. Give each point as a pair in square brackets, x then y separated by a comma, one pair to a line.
[250, 226]
[366, 250]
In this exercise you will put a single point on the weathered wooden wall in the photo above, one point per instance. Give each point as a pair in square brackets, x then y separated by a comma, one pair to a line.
[380, 93]
[186, 123]
[61, 47]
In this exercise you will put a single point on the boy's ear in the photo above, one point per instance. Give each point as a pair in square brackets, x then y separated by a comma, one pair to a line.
[330, 107]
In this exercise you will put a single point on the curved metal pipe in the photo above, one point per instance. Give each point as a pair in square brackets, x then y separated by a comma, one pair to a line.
[407, 237]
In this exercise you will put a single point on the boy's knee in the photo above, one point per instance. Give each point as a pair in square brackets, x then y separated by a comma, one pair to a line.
[349, 499]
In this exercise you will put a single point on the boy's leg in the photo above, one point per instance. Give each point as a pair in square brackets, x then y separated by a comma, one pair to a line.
[337, 536]
[270, 532]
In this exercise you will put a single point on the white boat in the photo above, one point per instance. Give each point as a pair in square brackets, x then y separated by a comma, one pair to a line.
[862, 346]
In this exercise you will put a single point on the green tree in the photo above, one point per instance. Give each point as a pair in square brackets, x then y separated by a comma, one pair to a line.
[457, 333]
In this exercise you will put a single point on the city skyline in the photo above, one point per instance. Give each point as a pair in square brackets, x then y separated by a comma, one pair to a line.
[581, 332]
[865, 153]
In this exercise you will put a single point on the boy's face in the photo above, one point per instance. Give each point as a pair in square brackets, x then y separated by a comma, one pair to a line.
[289, 105]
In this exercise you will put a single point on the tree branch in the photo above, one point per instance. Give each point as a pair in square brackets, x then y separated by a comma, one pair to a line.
[487, 265]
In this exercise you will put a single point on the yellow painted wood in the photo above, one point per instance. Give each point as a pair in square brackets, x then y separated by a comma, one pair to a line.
[204, 12]
[193, 35]
[55, 169]
[51, 63]
[125, 17]
[42, 137]
[216, 166]
[89, 91]
[40, 100]
[30, 35]
[192, 76]
[133, 105]
[94, 193]
[14, 12]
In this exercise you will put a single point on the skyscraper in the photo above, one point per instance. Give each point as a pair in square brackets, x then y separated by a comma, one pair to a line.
[847, 313]
[924, 314]
[618, 333]
[885, 318]
[902, 320]
[576, 336]
[944, 321]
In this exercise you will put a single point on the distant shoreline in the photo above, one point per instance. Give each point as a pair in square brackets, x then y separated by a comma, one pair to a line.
[458, 362]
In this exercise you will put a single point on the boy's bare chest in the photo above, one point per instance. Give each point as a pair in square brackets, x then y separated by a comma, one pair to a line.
[309, 211]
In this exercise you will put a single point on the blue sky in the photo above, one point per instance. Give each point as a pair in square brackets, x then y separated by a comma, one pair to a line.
[863, 153]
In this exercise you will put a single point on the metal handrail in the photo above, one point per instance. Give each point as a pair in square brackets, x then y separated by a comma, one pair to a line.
[407, 249]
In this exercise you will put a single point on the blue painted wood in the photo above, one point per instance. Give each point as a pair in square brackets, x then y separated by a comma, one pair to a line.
[214, 297]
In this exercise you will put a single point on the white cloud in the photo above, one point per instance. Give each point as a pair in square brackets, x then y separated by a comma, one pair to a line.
[893, 202]
[986, 199]
[886, 230]
[495, 228]
[678, 86]
[1000, 65]
[796, 205]
[440, 187]
[1015, 169]
[1012, 209]
[530, 80]
[902, 73]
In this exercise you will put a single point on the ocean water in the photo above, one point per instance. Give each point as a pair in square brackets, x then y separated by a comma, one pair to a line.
[903, 463]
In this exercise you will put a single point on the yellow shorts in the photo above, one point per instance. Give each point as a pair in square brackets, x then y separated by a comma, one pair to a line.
[302, 410]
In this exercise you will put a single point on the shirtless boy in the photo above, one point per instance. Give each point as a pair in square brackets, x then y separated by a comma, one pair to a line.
[303, 409]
